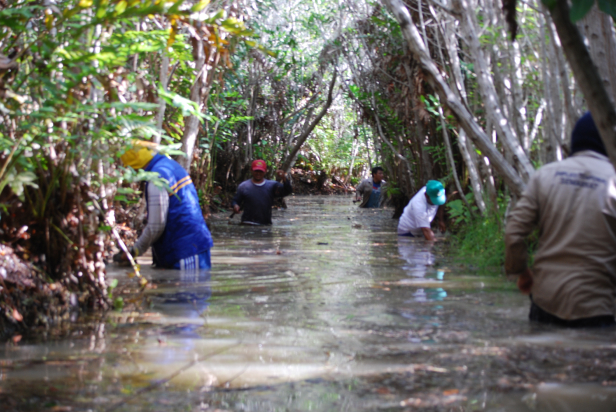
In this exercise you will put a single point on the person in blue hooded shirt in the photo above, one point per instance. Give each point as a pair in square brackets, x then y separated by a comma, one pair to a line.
[176, 230]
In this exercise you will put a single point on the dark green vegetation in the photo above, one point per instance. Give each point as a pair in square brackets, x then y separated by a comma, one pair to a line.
[323, 89]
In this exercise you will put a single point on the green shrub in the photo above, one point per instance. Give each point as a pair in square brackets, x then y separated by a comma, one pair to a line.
[480, 240]
[481, 243]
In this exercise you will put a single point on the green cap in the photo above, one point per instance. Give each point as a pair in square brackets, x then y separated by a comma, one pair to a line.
[436, 192]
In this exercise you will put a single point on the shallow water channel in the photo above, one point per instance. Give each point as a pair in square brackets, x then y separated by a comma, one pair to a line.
[327, 310]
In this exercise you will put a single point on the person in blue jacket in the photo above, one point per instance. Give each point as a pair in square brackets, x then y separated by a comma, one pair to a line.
[176, 230]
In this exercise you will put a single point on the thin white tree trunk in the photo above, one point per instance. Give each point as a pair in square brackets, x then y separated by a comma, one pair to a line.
[162, 104]
[192, 123]
[559, 133]
[598, 28]
[519, 108]
[488, 92]
[573, 112]
[417, 48]
[466, 148]
[449, 38]
[452, 163]
[291, 158]
[587, 76]
[548, 154]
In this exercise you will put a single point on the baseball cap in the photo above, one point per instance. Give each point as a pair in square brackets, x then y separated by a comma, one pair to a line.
[259, 165]
[436, 192]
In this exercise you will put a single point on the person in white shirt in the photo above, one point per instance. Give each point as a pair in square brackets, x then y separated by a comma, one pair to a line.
[421, 211]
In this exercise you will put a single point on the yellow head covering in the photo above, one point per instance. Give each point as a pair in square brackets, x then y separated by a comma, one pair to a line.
[140, 155]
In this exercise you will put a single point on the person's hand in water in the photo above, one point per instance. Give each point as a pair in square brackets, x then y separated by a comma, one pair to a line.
[525, 281]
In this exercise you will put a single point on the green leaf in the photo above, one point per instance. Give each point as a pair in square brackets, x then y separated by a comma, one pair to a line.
[121, 6]
[580, 8]
[608, 7]
[118, 304]
[187, 106]
[176, 7]
[233, 25]
[200, 6]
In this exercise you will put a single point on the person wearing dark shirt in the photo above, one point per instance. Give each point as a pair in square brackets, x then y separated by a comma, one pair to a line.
[256, 196]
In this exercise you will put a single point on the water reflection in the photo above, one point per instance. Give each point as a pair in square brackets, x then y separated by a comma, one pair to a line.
[420, 261]
[181, 293]
[326, 310]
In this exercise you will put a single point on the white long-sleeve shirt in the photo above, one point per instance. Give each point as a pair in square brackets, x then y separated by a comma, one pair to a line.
[158, 207]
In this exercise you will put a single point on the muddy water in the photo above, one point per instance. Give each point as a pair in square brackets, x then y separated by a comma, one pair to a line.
[327, 310]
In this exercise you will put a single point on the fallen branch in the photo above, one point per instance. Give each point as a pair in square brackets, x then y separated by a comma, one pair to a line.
[166, 380]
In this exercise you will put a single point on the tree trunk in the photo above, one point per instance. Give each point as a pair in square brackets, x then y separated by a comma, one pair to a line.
[598, 28]
[466, 149]
[417, 48]
[472, 168]
[573, 112]
[452, 163]
[290, 160]
[162, 103]
[488, 92]
[547, 151]
[353, 154]
[192, 123]
[386, 140]
[587, 76]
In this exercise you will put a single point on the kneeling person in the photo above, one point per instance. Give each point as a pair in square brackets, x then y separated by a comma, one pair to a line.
[176, 229]
[421, 210]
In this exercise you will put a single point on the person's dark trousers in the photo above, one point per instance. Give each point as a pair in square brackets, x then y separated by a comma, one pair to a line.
[539, 315]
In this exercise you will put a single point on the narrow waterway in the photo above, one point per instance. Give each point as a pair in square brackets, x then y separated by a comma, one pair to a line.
[327, 310]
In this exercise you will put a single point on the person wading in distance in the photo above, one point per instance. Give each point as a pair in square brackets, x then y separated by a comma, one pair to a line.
[256, 196]
[370, 191]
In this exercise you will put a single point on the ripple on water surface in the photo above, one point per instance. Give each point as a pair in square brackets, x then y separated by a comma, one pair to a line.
[325, 310]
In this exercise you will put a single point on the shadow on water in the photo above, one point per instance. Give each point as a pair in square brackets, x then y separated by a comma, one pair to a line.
[327, 310]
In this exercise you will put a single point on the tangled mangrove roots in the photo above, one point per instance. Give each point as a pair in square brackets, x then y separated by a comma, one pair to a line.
[27, 298]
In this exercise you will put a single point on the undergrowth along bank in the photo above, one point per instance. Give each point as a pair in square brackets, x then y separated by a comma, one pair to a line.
[479, 241]
[480, 244]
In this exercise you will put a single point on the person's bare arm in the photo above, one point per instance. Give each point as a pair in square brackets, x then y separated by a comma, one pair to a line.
[428, 234]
